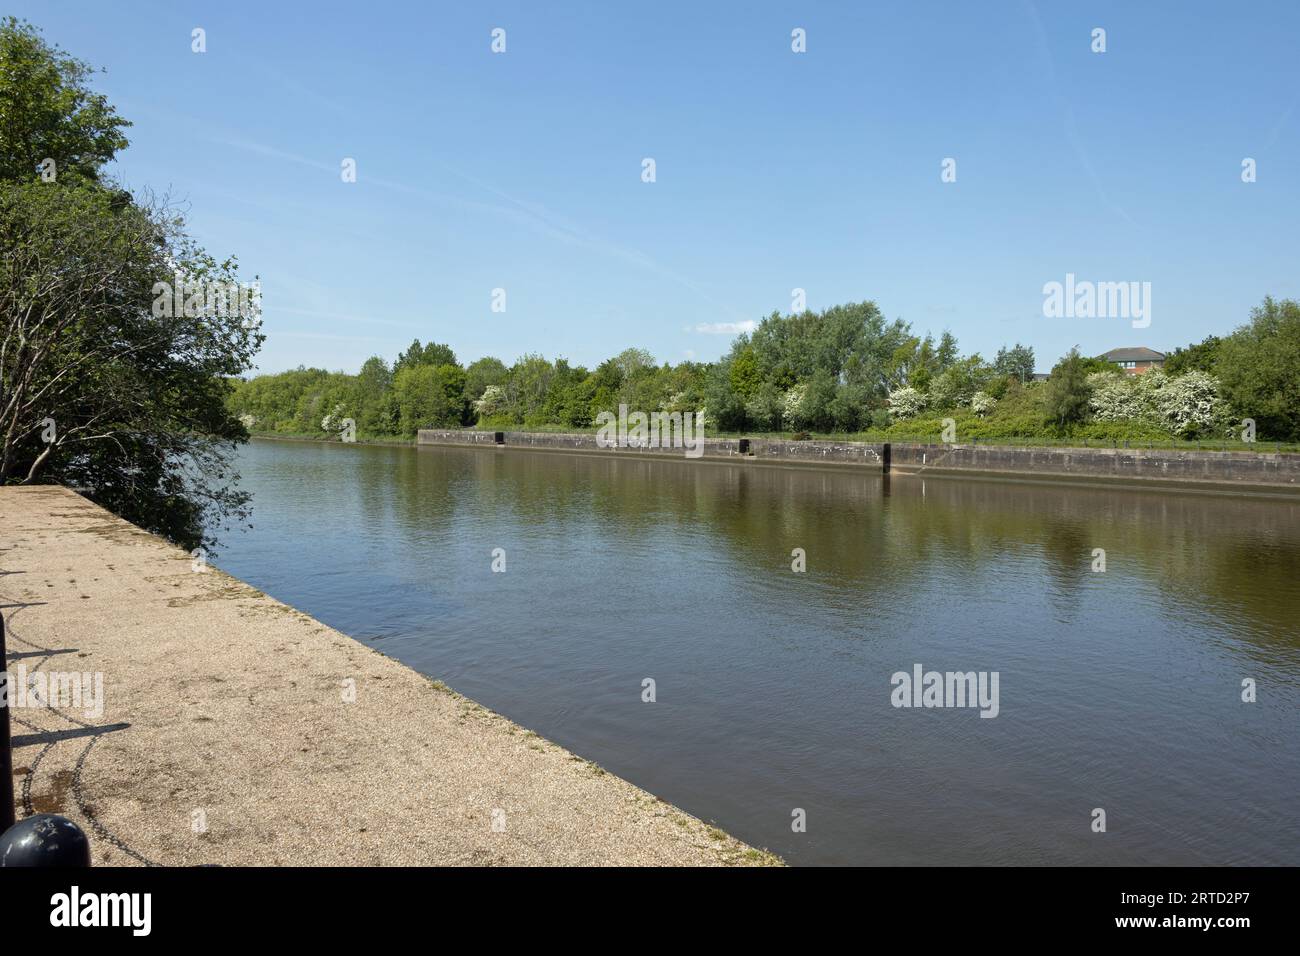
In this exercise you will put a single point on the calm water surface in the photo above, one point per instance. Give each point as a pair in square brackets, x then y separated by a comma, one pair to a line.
[1119, 690]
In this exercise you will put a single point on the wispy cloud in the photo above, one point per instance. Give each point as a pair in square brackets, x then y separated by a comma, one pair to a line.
[1071, 127]
[527, 213]
[328, 337]
[350, 317]
[726, 328]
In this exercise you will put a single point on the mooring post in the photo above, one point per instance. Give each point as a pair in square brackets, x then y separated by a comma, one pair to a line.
[744, 446]
[45, 839]
[499, 438]
[886, 453]
[6, 754]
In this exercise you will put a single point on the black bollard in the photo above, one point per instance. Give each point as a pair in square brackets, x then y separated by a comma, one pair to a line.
[498, 438]
[6, 754]
[886, 454]
[743, 446]
[44, 840]
[41, 840]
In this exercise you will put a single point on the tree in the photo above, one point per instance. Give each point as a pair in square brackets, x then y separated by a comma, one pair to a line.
[744, 374]
[1190, 405]
[482, 373]
[526, 388]
[853, 343]
[107, 383]
[1066, 401]
[1016, 362]
[947, 351]
[959, 382]
[906, 402]
[429, 396]
[1203, 357]
[765, 407]
[374, 386]
[817, 408]
[982, 403]
[49, 112]
[1259, 369]
[632, 362]
[432, 354]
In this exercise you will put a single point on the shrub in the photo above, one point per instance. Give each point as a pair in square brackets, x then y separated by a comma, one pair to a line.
[1190, 405]
[906, 402]
[491, 402]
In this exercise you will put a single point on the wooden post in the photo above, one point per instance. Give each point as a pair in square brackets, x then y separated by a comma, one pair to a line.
[886, 454]
[499, 438]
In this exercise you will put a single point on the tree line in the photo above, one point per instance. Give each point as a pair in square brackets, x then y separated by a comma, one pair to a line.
[822, 371]
[843, 370]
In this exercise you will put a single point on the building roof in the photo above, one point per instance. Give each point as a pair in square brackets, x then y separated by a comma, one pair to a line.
[1139, 354]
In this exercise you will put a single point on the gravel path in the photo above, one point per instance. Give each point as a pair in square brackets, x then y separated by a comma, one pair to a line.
[226, 734]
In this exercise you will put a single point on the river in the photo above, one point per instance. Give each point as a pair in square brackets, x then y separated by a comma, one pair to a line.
[774, 691]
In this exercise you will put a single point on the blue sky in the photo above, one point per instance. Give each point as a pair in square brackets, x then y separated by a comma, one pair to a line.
[775, 170]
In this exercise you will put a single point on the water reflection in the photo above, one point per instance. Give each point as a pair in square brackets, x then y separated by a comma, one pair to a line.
[1119, 689]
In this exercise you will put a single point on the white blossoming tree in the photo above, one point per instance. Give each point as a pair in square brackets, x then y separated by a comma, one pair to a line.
[491, 402]
[792, 406]
[906, 402]
[982, 403]
[333, 422]
[1119, 398]
[1190, 404]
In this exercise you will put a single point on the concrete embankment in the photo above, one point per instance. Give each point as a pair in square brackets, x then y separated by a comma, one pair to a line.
[1252, 472]
[237, 730]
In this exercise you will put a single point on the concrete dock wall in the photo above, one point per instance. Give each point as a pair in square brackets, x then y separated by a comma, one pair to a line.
[1270, 470]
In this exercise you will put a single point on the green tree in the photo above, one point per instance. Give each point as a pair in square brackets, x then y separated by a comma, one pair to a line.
[482, 373]
[526, 389]
[374, 398]
[1201, 357]
[1259, 369]
[1016, 362]
[1068, 391]
[957, 384]
[48, 112]
[947, 352]
[429, 396]
[104, 385]
[744, 374]
[432, 354]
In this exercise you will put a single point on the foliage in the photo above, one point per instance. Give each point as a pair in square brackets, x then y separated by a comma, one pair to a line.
[906, 402]
[1066, 401]
[1188, 406]
[96, 390]
[1259, 369]
[1016, 362]
[1116, 397]
[1202, 357]
[429, 396]
[957, 384]
[842, 370]
[432, 354]
[49, 112]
